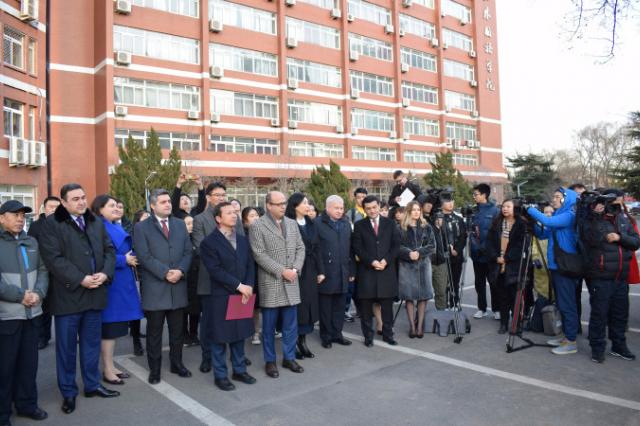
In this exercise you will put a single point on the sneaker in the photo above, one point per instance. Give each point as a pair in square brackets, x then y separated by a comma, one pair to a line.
[256, 339]
[480, 314]
[567, 347]
[557, 341]
[278, 335]
[597, 357]
[623, 352]
[496, 316]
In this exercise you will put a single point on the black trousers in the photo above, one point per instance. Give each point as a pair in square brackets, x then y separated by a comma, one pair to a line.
[366, 317]
[609, 309]
[18, 366]
[155, 325]
[480, 271]
[45, 330]
[507, 298]
[331, 316]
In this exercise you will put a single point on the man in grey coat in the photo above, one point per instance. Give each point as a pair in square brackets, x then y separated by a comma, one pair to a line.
[203, 226]
[163, 247]
[279, 252]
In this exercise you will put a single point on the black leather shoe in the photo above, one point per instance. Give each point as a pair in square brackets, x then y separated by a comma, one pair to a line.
[102, 392]
[299, 354]
[368, 342]
[154, 378]
[205, 366]
[390, 341]
[326, 345]
[597, 357]
[304, 349]
[180, 370]
[37, 414]
[245, 378]
[342, 341]
[69, 405]
[292, 365]
[224, 384]
[622, 352]
[118, 381]
[272, 370]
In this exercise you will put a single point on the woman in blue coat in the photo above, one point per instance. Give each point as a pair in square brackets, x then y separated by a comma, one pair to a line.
[123, 303]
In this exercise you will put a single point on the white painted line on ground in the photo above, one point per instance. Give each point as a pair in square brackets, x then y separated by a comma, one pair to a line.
[182, 400]
[620, 402]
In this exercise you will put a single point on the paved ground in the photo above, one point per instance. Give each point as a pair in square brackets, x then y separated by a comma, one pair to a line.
[427, 381]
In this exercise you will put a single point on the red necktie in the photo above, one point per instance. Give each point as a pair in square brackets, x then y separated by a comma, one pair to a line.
[165, 229]
[375, 227]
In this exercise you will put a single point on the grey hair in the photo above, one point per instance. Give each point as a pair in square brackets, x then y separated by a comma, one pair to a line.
[155, 194]
[333, 199]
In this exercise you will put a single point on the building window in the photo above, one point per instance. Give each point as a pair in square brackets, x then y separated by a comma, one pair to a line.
[179, 7]
[460, 70]
[12, 112]
[420, 93]
[156, 45]
[13, 47]
[457, 40]
[243, 60]
[249, 195]
[244, 17]
[308, 32]
[421, 126]
[315, 149]
[372, 120]
[457, 10]
[419, 157]
[242, 145]
[325, 4]
[32, 60]
[168, 140]
[459, 100]
[372, 153]
[32, 123]
[156, 94]
[425, 3]
[313, 72]
[418, 59]
[23, 193]
[460, 132]
[244, 104]
[417, 26]
[465, 159]
[315, 113]
[370, 47]
[371, 83]
[369, 12]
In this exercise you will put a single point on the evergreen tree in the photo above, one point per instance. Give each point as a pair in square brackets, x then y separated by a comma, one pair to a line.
[445, 175]
[629, 176]
[325, 182]
[137, 162]
[538, 173]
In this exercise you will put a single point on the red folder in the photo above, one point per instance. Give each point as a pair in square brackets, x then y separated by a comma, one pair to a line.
[237, 310]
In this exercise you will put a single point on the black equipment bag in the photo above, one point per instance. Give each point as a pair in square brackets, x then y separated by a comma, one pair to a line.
[569, 264]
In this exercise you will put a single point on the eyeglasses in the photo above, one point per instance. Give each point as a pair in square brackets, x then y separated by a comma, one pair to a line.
[284, 203]
[476, 194]
[218, 194]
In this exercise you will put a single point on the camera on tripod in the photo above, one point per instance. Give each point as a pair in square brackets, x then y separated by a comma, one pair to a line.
[435, 197]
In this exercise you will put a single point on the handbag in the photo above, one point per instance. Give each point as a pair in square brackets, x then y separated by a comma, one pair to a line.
[569, 264]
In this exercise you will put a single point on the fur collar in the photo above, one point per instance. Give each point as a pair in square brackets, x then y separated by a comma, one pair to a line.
[62, 215]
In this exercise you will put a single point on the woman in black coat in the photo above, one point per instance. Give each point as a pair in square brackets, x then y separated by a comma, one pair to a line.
[297, 209]
[504, 248]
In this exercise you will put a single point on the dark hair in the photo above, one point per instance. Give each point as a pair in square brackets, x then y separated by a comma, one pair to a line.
[360, 191]
[577, 185]
[245, 213]
[50, 198]
[180, 214]
[185, 195]
[517, 213]
[294, 201]
[99, 202]
[217, 210]
[137, 216]
[155, 194]
[395, 210]
[312, 204]
[383, 204]
[260, 210]
[397, 173]
[68, 188]
[118, 200]
[483, 188]
[214, 185]
[236, 200]
[370, 199]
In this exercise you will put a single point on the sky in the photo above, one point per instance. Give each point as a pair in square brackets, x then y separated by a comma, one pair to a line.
[550, 86]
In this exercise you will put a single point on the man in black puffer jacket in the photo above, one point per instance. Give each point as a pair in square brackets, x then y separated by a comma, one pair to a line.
[609, 240]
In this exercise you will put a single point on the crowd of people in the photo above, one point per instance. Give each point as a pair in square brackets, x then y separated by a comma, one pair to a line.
[195, 267]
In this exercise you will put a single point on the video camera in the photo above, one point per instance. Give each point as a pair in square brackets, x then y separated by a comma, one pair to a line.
[589, 199]
[522, 204]
[435, 197]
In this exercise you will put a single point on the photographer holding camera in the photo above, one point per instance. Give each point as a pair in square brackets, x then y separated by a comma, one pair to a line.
[610, 240]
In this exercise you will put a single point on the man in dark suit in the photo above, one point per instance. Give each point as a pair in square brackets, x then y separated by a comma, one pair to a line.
[376, 241]
[78, 252]
[227, 257]
[163, 247]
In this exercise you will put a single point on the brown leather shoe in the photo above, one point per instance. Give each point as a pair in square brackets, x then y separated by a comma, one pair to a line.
[272, 370]
[292, 365]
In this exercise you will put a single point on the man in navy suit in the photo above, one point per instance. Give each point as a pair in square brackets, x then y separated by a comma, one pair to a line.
[227, 257]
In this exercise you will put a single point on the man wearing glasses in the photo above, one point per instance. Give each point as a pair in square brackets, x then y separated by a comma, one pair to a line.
[402, 184]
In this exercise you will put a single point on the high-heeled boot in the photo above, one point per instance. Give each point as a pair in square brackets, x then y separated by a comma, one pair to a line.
[302, 341]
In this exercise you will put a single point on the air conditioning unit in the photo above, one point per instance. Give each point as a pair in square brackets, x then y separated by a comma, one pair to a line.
[29, 10]
[464, 21]
[473, 83]
[121, 111]
[339, 128]
[407, 3]
[355, 93]
[290, 2]
[406, 102]
[445, 46]
[216, 71]
[18, 152]
[292, 83]
[215, 26]
[292, 42]
[401, 32]
[336, 13]
[472, 144]
[404, 67]
[475, 113]
[123, 7]
[472, 54]
[354, 55]
[354, 131]
[37, 154]
[193, 114]
[393, 134]
[275, 122]
[292, 124]
[388, 29]
[350, 17]
[123, 58]
[435, 42]
[215, 117]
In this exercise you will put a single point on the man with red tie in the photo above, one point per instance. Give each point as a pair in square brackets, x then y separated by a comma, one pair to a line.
[375, 242]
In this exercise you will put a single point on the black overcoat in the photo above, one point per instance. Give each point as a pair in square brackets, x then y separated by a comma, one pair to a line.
[335, 254]
[308, 308]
